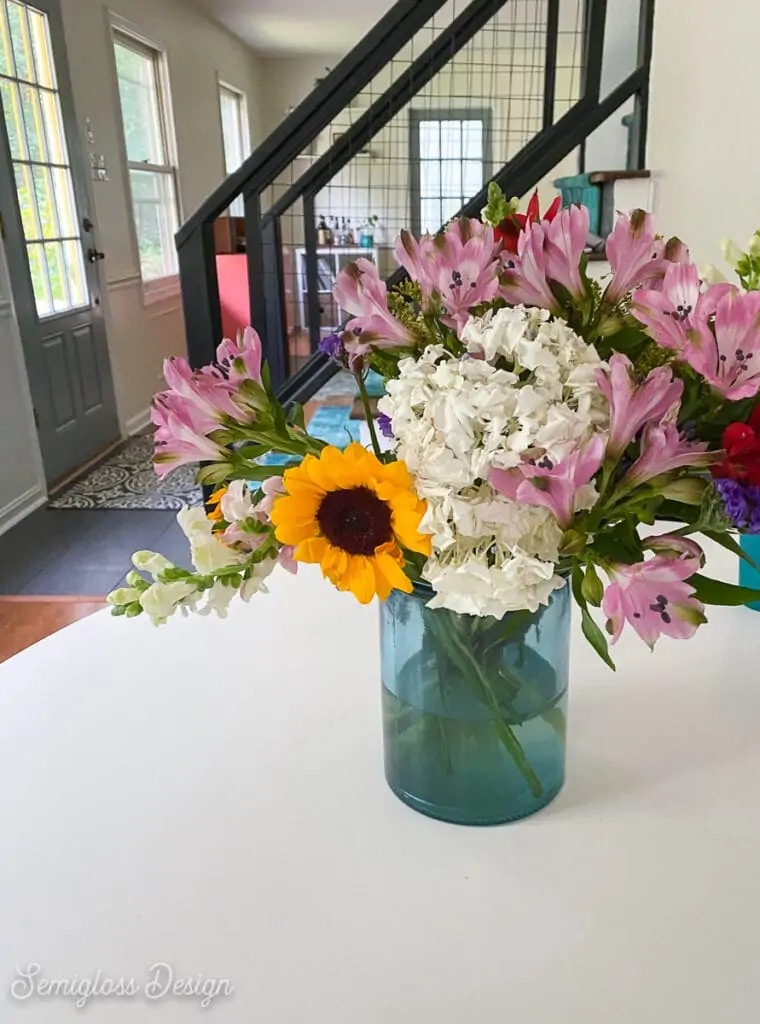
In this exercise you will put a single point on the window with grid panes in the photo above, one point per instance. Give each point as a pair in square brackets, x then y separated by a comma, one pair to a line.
[143, 95]
[449, 155]
[41, 166]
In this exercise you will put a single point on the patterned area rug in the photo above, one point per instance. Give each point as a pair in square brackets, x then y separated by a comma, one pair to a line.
[127, 480]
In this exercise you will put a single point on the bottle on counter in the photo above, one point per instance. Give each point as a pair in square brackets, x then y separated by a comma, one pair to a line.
[324, 234]
[350, 237]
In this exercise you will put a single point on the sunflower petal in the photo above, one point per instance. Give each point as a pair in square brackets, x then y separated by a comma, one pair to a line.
[360, 578]
[394, 576]
[311, 550]
[405, 526]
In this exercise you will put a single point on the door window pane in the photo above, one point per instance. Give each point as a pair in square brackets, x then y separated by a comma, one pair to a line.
[472, 177]
[472, 140]
[43, 64]
[35, 136]
[57, 275]
[7, 65]
[14, 119]
[53, 128]
[451, 170]
[431, 215]
[44, 182]
[40, 283]
[43, 190]
[451, 178]
[430, 178]
[75, 272]
[430, 139]
[20, 41]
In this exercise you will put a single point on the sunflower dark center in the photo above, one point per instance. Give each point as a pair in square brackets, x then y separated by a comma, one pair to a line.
[355, 520]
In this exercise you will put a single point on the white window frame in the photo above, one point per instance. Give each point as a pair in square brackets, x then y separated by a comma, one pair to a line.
[127, 34]
[236, 208]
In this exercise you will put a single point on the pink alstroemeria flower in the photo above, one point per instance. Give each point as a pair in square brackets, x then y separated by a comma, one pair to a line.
[462, 267]
[633, 404]
[637, 256]
[524, 279]
[207, 391]
[652, 595]
[547, 252]
[414, 257]
[664, 449]
[671, 311]
[566, 239]
[241, 360]
[179, 438]
[554, 487]
[359, 291]
[727, 354]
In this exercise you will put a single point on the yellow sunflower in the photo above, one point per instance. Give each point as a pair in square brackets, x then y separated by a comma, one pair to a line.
[352, 514]
[214, 503]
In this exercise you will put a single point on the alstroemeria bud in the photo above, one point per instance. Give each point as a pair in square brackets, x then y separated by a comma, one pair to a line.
[592, 588]
[688, 490]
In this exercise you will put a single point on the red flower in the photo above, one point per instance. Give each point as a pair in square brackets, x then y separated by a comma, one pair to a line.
[742, 444]
[509, 230]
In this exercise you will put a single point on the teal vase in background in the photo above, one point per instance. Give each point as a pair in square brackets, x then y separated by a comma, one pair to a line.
[749, 577]
[474, 708]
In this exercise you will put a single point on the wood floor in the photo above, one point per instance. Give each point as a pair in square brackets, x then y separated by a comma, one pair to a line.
[25, 620]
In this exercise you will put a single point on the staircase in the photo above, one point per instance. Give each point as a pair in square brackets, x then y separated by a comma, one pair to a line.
[439, 98]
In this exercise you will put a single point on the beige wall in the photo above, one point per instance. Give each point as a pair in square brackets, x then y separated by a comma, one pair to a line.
[198, 52]
[703, 142]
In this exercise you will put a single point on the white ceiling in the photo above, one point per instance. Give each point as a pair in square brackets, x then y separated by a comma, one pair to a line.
[297, 26]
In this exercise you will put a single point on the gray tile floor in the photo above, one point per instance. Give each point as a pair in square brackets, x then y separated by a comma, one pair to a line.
[82, 552]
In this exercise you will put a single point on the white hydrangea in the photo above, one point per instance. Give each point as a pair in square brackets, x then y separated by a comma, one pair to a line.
[527, 385]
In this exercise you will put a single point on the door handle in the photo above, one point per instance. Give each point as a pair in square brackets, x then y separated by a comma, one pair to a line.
[93, 255]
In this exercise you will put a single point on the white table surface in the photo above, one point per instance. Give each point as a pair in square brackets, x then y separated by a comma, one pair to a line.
[211, 795]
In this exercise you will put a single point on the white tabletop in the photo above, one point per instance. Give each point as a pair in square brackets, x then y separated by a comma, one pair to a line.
[210, 795]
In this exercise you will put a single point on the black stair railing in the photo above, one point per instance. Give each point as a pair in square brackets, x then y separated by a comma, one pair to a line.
[195, 239]
[552, 143]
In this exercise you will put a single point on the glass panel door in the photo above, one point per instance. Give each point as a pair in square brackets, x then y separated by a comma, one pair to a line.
[42, 169]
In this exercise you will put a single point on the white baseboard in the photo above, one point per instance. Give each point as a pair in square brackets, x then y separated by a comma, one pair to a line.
[137, 423]
[21, 507]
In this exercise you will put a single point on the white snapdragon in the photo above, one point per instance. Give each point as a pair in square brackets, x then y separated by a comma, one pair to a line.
[527, 385]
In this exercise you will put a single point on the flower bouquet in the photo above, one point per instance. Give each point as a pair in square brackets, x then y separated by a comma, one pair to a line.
[533, 420]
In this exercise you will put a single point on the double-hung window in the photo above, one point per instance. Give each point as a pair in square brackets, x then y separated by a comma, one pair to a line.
[235, 134]
[145, 113]
[450, 161]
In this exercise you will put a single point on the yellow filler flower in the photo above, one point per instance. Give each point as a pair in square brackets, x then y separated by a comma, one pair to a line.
[352, 514]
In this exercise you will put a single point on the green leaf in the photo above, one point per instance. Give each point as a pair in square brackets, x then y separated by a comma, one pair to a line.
[727, 541]
[716, 592]
[596, 637]
[216, 473]
[296, 415]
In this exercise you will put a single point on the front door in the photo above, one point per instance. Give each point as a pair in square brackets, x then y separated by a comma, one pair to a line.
[50, 241]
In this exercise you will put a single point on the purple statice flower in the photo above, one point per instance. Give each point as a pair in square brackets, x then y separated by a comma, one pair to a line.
[384, 423]
[332, 347]
[753, 493]
[736, 501]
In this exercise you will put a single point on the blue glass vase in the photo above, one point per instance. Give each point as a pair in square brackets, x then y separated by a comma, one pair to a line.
[474, 708]
[749, 576]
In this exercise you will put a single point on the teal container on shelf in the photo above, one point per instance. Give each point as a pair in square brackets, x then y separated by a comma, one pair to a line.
[749, 577]
[578, 189]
